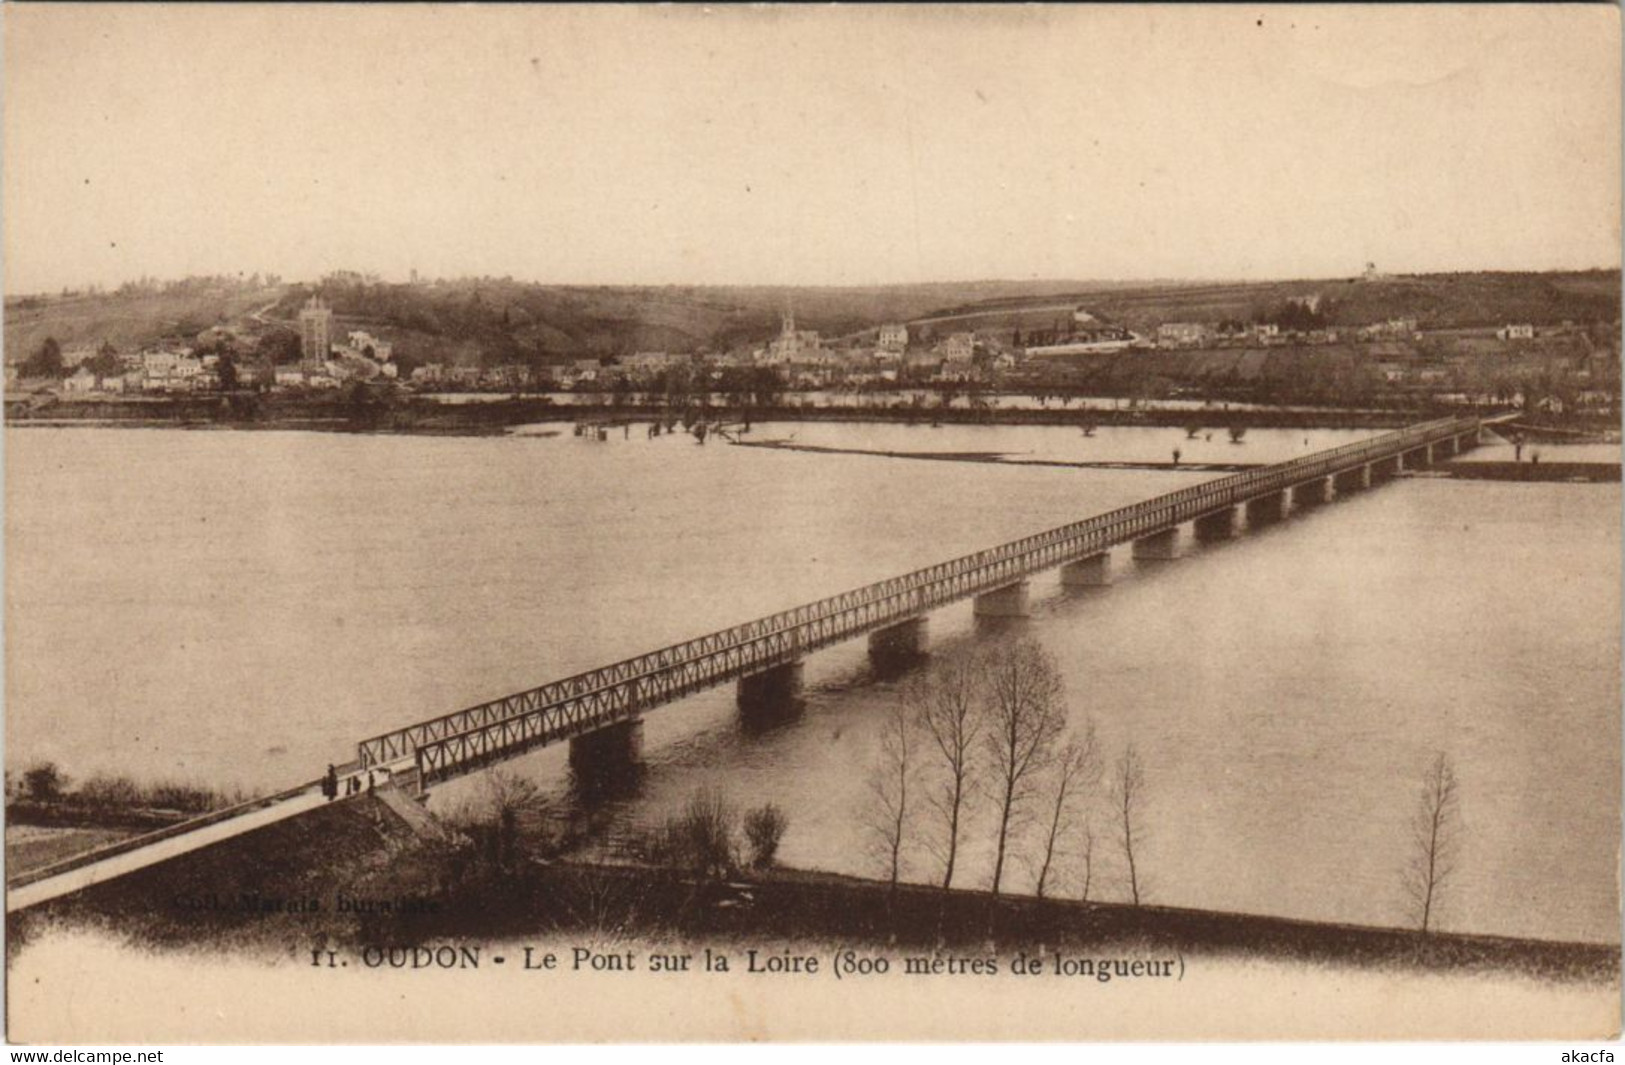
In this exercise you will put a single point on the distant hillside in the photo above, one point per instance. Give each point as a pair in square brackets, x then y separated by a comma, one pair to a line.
[495, 320]
[127, 321]
[1436, 300]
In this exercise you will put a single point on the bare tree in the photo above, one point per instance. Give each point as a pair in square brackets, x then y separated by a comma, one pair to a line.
[1025, 719]
[764, 829]
[513, 808]
[889, 786]
[1076, 771]
[1127, 799]
[945, 701]
[1088, 855]
[1433, 834]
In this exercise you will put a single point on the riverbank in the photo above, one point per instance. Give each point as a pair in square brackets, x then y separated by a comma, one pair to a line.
[357, 873]
[1001, 459]
[1567, 472]
[380, 414]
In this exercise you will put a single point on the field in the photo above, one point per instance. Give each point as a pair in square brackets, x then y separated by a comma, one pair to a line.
[1437, 301]
[125, 321]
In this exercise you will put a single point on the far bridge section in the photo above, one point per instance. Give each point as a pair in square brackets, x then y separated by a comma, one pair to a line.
[765, 655]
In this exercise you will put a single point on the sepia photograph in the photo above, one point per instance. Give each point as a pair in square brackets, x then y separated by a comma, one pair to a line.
[583, 524]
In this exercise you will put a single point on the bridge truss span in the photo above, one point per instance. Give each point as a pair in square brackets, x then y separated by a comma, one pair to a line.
[456, 743]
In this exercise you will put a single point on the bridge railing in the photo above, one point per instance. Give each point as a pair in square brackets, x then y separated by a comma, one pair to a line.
[147, 839]
[737, 649]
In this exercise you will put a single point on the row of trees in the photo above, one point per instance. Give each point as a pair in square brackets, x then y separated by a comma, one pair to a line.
[988, 730]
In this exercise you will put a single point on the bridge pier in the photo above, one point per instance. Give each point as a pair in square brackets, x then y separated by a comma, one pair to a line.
[1312, 493]
[607, 760]
[1268, 508]
[1220, 525]
[772, 694]
[1007, 602]
[898, 646]
[1158, 547]
[1351, 480]
[1092, 572]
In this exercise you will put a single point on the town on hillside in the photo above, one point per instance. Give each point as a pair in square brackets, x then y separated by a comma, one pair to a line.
[1548, 344]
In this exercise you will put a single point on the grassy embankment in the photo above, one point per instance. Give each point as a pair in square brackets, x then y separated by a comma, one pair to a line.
[47, 821]
[256, 893]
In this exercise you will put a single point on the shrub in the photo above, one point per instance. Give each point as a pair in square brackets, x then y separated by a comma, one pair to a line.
[764, 828]
[698, 840]
[44, 782]
[118, 792]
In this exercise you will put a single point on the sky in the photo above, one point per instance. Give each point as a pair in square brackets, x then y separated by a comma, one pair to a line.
[806, 145]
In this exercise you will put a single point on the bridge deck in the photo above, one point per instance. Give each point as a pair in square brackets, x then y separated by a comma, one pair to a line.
[117, 861]
[458, 742]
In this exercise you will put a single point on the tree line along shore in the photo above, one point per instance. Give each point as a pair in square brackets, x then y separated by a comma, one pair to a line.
[378, 413]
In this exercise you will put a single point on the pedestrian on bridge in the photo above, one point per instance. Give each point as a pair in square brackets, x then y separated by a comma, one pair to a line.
[330, 783]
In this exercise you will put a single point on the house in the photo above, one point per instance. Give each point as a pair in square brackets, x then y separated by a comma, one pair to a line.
[1181, 334]
[1092, 337]
[81, 381]
[289, 377]
[651, 362]
[893, 337]
[159, 363]
[1394, 327]
[959, 347]
[1081, 347]
[365, 344]
[1522, 331]
[956, 372]
[429, 374]
[508, 375]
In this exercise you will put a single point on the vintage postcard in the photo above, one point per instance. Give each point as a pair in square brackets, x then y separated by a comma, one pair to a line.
[553, 523]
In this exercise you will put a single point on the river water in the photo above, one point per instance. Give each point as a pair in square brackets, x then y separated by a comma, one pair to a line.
[240, 608]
